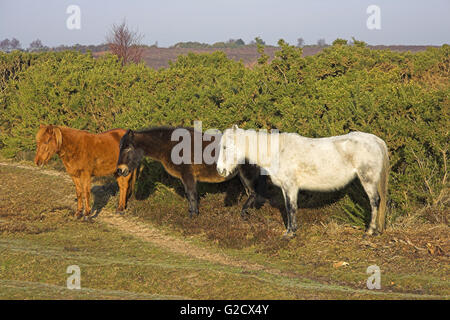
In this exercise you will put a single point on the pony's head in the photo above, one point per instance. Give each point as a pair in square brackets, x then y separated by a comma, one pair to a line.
[48, 142]
[231, 153]
[129, 156]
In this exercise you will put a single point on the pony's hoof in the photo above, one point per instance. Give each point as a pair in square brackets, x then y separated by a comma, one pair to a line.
[193, 214]
[370, 233]
[120, 212]
[88, 219]
[259, 203]
[78, 215]
[245, 215]
[288, 235]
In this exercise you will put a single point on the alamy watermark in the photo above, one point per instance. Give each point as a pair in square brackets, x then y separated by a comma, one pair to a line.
[74, 280]
[73, 22]
[374, 281]
[235, 146]
[374, 20]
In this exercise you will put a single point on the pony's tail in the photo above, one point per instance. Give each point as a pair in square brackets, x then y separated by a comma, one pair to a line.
[382, 187]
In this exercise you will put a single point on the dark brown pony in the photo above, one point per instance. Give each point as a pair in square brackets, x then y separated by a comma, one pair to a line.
[157, 144]
[84, 155]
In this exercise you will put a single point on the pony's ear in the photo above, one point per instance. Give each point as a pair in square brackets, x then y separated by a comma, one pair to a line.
[234, 127]
[58, 136]
[130, 133]
[49, 129]
[42, 126]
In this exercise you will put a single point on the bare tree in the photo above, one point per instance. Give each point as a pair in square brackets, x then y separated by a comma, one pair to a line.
[5, 45]
[125, 43]
[36, 45]
[300, 42]
[9, 45]
[321, 42]
[15, 44]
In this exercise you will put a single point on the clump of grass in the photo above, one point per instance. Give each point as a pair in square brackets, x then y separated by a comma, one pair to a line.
[437, 215]
[353, 214]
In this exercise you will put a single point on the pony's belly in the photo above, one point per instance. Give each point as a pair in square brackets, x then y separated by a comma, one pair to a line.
[324, 181]
[322, 185]
[103, 166]
[208, 173]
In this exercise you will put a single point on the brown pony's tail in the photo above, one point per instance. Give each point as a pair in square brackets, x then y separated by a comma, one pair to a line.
[382, 187]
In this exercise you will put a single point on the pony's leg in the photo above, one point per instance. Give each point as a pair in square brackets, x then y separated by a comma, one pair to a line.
[86, 185]
[132, 183]
[190, 187]
[290, 201]
[291, 197]
[249, 189]
[287, 205]
[261, 188]
[123, 192]
[372, 193]
[79, 190]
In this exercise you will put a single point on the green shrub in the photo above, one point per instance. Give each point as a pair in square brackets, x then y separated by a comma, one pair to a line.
[401, 97]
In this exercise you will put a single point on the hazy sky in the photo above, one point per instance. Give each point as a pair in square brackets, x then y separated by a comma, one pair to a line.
[170, 21]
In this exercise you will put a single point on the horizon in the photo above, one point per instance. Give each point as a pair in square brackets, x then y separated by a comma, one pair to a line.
[402, 22]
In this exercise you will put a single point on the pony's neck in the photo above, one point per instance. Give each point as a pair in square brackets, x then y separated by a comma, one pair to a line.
[250, 146]
[149, 142]
[253, 153]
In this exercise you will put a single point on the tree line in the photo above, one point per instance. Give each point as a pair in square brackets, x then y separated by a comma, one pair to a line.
[121, 36]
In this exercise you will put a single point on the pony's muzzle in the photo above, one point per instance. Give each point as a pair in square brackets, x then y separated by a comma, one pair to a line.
[122, 170]
[222, 172]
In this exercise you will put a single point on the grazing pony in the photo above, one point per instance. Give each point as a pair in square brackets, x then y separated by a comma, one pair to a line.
[322, 164]
[157, 144]
[84, 155]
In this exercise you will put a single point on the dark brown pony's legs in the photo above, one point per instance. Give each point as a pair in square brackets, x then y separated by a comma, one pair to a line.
[190, 187]
[251, 183]
[249, 189]
[132, 183]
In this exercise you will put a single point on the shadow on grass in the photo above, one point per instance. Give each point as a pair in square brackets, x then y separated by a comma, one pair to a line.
[318, 200]
[152, 173]
[102, 194]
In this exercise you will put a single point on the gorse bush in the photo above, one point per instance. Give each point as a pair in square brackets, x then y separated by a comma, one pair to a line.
[401, 97]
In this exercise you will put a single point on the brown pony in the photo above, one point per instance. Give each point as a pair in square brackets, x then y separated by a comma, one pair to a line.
[84, 155]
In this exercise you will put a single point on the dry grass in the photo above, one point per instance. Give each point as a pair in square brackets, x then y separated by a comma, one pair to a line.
[37, 230]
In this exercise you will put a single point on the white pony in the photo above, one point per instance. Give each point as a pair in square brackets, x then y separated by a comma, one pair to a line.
[315, 164]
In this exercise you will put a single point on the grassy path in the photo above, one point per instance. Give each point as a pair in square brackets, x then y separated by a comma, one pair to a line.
[126, 257]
